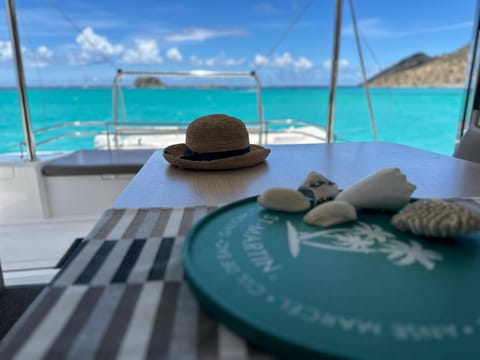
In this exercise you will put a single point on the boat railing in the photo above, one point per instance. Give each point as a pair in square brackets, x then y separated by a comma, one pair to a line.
[252, 75]
[111, 134]
[60, 131]
[109, 131]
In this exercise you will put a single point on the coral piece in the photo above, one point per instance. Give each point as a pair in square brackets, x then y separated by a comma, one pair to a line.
[283, 199]
[387, 189]
[331, 213]
[318, 188]
[436, 218]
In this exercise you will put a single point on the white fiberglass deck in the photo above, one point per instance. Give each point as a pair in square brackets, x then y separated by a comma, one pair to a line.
[30, 251]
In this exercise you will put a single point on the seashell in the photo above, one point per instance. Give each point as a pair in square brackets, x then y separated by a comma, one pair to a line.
[436, 218]
[387, 189]
[318, 188]
[283, 199]
[331, 213]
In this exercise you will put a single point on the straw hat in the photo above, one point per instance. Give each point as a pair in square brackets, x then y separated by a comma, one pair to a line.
[215, 142]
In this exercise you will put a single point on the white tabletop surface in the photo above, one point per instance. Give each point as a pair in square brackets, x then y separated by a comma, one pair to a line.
[159, 184]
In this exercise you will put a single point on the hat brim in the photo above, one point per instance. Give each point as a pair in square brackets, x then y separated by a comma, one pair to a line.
[256, 155]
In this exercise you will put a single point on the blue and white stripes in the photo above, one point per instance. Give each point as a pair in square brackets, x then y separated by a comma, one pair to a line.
[122, 295]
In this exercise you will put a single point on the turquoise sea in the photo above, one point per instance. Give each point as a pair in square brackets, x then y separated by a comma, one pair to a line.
[424, 118]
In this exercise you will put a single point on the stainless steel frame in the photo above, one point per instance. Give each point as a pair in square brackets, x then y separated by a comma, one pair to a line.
[79, 129]
[193, 73]
[22, 88]
[468, 133]
[334, 72]
[471, 106]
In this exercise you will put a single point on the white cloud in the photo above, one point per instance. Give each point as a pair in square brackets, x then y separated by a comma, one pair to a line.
[303, 64]
[371, 28]
[217, 61]
[145, 52]
[40, 58]
[196, 61]
[44, 52]
[342, 63]
[234, 62]
[375, 28]
[173, 54]
[5, 50]
[260, 60]
[90, 42]
[441, 28]
[211, 62]
[228, 62]
[283, 60]
[201, 34]
[92, 48]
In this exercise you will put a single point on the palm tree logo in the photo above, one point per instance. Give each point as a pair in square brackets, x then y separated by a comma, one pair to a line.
[366, 239]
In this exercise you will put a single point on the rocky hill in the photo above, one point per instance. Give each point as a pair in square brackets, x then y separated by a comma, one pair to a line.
[421, 70]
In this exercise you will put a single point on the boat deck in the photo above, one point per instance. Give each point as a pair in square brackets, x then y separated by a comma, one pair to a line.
[31, 251]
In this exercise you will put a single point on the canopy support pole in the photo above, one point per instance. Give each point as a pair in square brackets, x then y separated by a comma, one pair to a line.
[21, 85]
[334, 72]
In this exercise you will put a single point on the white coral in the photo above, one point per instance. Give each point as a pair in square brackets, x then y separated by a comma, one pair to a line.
[436, 218]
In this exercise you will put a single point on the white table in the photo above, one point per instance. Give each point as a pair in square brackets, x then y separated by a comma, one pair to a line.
[124, 295]
[438, 176]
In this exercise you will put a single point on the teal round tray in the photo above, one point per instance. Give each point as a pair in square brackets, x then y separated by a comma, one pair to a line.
[361, 290]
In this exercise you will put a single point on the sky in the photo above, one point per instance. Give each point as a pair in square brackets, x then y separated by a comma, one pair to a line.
[288, 42]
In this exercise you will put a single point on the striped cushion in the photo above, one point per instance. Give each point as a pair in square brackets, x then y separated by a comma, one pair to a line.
[122, 295]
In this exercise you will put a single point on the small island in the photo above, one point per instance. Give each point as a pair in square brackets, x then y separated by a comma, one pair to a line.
[148, 82]
[151, 82]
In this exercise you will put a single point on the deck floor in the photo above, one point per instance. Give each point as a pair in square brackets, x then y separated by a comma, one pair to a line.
[29, 252]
